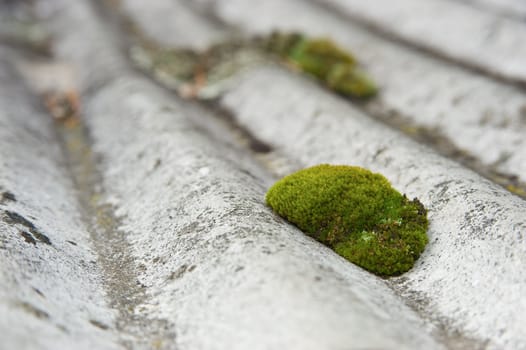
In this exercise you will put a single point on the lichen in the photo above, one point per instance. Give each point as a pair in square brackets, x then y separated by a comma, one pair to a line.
[323, 59]
[355, 212]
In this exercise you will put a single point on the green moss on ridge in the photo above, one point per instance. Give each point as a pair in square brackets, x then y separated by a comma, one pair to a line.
[323, 59]
[355, 212]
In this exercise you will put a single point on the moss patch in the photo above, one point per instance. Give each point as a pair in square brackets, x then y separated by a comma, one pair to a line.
[322, 58]
[355, 212]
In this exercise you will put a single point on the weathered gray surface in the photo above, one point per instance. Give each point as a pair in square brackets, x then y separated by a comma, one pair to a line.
[472, 272]
[51, 290]
[183, 248]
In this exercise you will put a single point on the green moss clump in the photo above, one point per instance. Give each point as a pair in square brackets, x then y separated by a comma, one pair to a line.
[319, 56]
[350, 81]
[355, 212]
[323, 59]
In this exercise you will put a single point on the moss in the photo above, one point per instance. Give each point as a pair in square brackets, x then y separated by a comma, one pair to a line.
[350, 81]
[326, 61]
[319, 56]
[355, 212]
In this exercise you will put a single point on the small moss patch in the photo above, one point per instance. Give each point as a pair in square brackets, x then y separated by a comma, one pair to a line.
[355, 212]
[323, 59]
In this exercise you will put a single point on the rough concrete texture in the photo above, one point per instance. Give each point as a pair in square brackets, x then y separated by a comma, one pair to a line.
[461, 31]
[489, 115]
[185, 251]
[217, 264]
[472, 272]
[51, 290]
